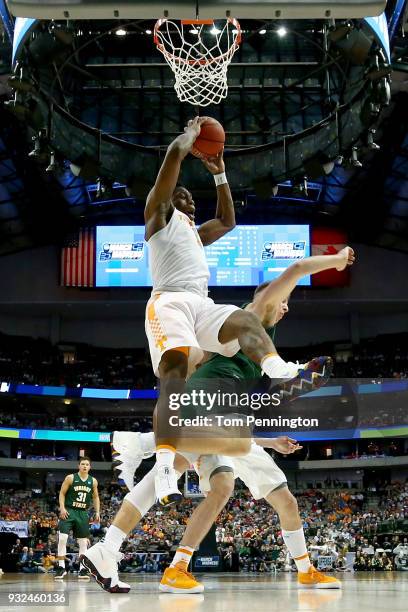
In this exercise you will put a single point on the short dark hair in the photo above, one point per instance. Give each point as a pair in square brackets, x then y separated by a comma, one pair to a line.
[86, 458]
[179, 186]
[261, 287]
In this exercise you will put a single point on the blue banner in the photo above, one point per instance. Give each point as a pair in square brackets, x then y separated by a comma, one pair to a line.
[385, 386]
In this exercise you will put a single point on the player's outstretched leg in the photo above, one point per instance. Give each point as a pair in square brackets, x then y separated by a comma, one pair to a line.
[102, 558]
[176, 578]
[173, 369]
[293, 535]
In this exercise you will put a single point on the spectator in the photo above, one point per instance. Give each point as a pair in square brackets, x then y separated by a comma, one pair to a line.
[17, 548]
[149, 564]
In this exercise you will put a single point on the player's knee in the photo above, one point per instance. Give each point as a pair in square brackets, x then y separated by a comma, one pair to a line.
[222, 487]
[288, 504]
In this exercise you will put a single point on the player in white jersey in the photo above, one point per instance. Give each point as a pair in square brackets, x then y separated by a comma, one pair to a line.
[257, 470]
[181, 320]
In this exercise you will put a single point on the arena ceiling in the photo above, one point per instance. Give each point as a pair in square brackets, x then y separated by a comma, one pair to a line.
[280, 88]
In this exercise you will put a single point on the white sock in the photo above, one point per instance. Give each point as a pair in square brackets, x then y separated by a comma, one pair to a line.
[165, 456]
[83, 545]
[183, 554]
[296, 545]
[148, 442]
[114, 538]
[275, 367]
[62, 548]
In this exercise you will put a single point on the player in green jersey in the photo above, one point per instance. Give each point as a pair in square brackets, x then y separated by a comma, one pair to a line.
[78, 492]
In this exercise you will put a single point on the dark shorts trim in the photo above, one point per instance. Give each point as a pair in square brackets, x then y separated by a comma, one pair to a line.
[220, 469]
[283, 485]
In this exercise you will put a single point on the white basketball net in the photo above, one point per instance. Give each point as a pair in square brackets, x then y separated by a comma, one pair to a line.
[199, 53]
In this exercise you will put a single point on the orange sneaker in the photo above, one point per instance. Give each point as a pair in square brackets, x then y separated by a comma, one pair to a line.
[316, 580]
[179, 580]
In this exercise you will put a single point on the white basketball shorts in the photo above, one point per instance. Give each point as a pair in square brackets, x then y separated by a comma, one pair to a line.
[257, 470]
[207, 466]
[184, 319]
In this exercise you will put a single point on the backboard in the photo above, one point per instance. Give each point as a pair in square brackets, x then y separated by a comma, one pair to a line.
[186, 9]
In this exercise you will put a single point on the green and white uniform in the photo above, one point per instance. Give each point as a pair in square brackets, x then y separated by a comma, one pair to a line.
[78, 500]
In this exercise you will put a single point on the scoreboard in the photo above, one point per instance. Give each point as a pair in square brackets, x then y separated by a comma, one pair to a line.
[246, 256]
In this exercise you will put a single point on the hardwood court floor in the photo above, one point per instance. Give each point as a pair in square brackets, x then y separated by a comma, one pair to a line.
[362, 592]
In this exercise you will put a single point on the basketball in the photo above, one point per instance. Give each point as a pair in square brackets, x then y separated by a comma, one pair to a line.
[210, 140]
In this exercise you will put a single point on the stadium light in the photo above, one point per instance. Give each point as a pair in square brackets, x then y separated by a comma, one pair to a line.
[262, 31]
[52, 165]
[281, 32]
[354, 161]
[373, 146]
[39, 153]
[36, 152]
[120, 32]
[215, 31]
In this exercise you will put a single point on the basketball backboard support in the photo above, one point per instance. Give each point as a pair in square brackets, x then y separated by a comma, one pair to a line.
[186, 9]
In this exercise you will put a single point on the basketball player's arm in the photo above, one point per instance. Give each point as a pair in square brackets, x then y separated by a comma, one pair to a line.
[159, 198]
[224, 220]
[68, 480]
[282, 287]
[96, 501]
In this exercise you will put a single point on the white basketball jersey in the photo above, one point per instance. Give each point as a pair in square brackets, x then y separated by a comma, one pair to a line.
[177, 258]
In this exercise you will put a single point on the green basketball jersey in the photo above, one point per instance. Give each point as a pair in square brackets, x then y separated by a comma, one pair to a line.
[238, 367]
[79, 494]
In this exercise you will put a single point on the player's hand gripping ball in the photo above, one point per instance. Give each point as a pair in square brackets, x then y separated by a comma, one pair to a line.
[210, 140]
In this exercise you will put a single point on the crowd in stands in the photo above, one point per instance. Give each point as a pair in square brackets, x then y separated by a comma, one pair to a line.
[37, 361]
[337, 522]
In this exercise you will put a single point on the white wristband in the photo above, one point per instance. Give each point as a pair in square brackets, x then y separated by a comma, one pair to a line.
[220, 179]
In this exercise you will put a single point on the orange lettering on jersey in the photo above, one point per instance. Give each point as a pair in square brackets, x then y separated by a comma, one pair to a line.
[155, 325]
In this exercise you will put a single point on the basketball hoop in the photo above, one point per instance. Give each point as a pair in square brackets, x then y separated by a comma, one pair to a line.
[199, 53]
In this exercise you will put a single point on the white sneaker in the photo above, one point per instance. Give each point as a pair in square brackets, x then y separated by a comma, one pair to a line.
[166, 486]
[129, 448]
[133, 442]
[126, 467]
[103, 565]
